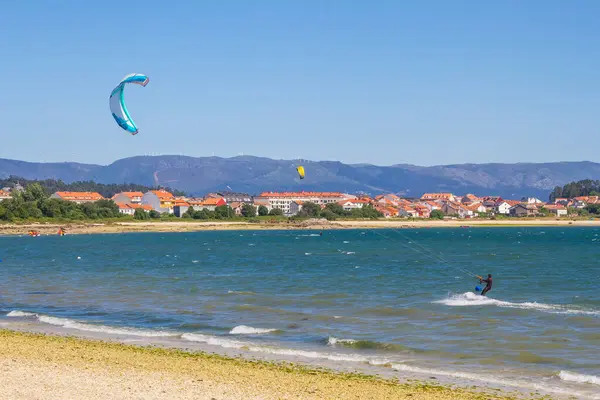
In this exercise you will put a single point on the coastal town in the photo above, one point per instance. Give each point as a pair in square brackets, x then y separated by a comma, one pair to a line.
[429, 205]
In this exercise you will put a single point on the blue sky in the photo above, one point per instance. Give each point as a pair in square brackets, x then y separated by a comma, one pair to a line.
[383, 82]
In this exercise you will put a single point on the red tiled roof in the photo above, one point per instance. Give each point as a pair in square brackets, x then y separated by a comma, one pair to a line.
[163, 194]
[130, 194]
[300, 194]
[93, 196]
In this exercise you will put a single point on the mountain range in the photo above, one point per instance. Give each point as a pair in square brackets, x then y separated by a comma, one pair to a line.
[200, 175]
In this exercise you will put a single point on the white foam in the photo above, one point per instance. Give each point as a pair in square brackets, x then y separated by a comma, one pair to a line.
[579, 378]
[248, 330]
[239, 292]
[472, 299]
[488, 380]
[332, 341]
[69, 323]
[17, 313]
[235, 344]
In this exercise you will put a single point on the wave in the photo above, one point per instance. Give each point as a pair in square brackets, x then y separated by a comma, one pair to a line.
[81, 326]
[492, 380]
[472, 299]
[240, 292]
[579, 378]
[18, 313]
[236, 344]
[72, 324]
[364, 344]
[248, 330]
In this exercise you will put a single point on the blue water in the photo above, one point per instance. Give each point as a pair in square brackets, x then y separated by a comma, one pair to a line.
[395, 300]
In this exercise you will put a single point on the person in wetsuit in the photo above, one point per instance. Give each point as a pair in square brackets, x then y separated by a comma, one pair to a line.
[488, 284]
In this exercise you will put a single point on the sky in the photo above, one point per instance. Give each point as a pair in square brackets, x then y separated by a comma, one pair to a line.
[380, 82]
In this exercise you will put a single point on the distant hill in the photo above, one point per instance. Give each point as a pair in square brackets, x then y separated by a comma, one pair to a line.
[199, 175]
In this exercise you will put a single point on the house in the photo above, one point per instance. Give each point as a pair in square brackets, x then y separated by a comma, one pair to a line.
[208, 204]
[455, 209]
[470, 199]
[388, 212]
[4, 195]
[531, 200]
[421, 210]
[502, 207]
[523, 210]
[262, 202]
[128, 197]
[232, 197]
[557, 209]
[409, 212]
[349, 205]
[489, 202]
[129, 208]
[78, 197]
[475, 208]
[390, 200]
[438, 196]
[160, 200]
[236, 206]
[180, 207]
[561, 200]
[432, 205]
[283, 200]
[295, 207]
[125, 208]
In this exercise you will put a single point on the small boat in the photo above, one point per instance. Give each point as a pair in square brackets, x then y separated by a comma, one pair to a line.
[34, 233]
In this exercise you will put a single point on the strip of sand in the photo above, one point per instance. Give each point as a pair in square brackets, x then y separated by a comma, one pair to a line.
[193, 226]
[36, 366]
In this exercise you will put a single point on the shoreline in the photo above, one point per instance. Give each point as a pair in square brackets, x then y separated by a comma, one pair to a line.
[193, 226]
[73, 367]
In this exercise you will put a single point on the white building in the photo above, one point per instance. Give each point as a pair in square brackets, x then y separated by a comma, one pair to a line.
[503, 207]
[349, 205]
[283, 200]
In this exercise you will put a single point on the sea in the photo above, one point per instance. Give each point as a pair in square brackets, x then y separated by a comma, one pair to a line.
[399, 303]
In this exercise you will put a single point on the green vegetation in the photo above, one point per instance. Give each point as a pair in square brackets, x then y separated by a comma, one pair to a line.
[220, 213]
[51, 186]
[436, 214]
[262, 211]
[35, 203]
[586, 187]
[248, 211]
[333, 211]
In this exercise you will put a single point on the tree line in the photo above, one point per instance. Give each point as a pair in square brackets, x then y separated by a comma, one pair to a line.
[35, 203]
[586, 187]
[106, 190]
[331, 211]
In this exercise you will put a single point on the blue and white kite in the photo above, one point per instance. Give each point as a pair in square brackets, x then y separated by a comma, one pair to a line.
[117, 102]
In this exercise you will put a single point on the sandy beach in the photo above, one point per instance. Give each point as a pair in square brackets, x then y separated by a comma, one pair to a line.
[36, 366]
[192, 226]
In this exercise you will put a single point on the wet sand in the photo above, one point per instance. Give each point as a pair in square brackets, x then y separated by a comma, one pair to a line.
[36, 366]
[192, 226]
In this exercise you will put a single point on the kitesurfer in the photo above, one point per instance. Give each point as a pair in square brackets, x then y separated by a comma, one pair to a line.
[488, 284]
